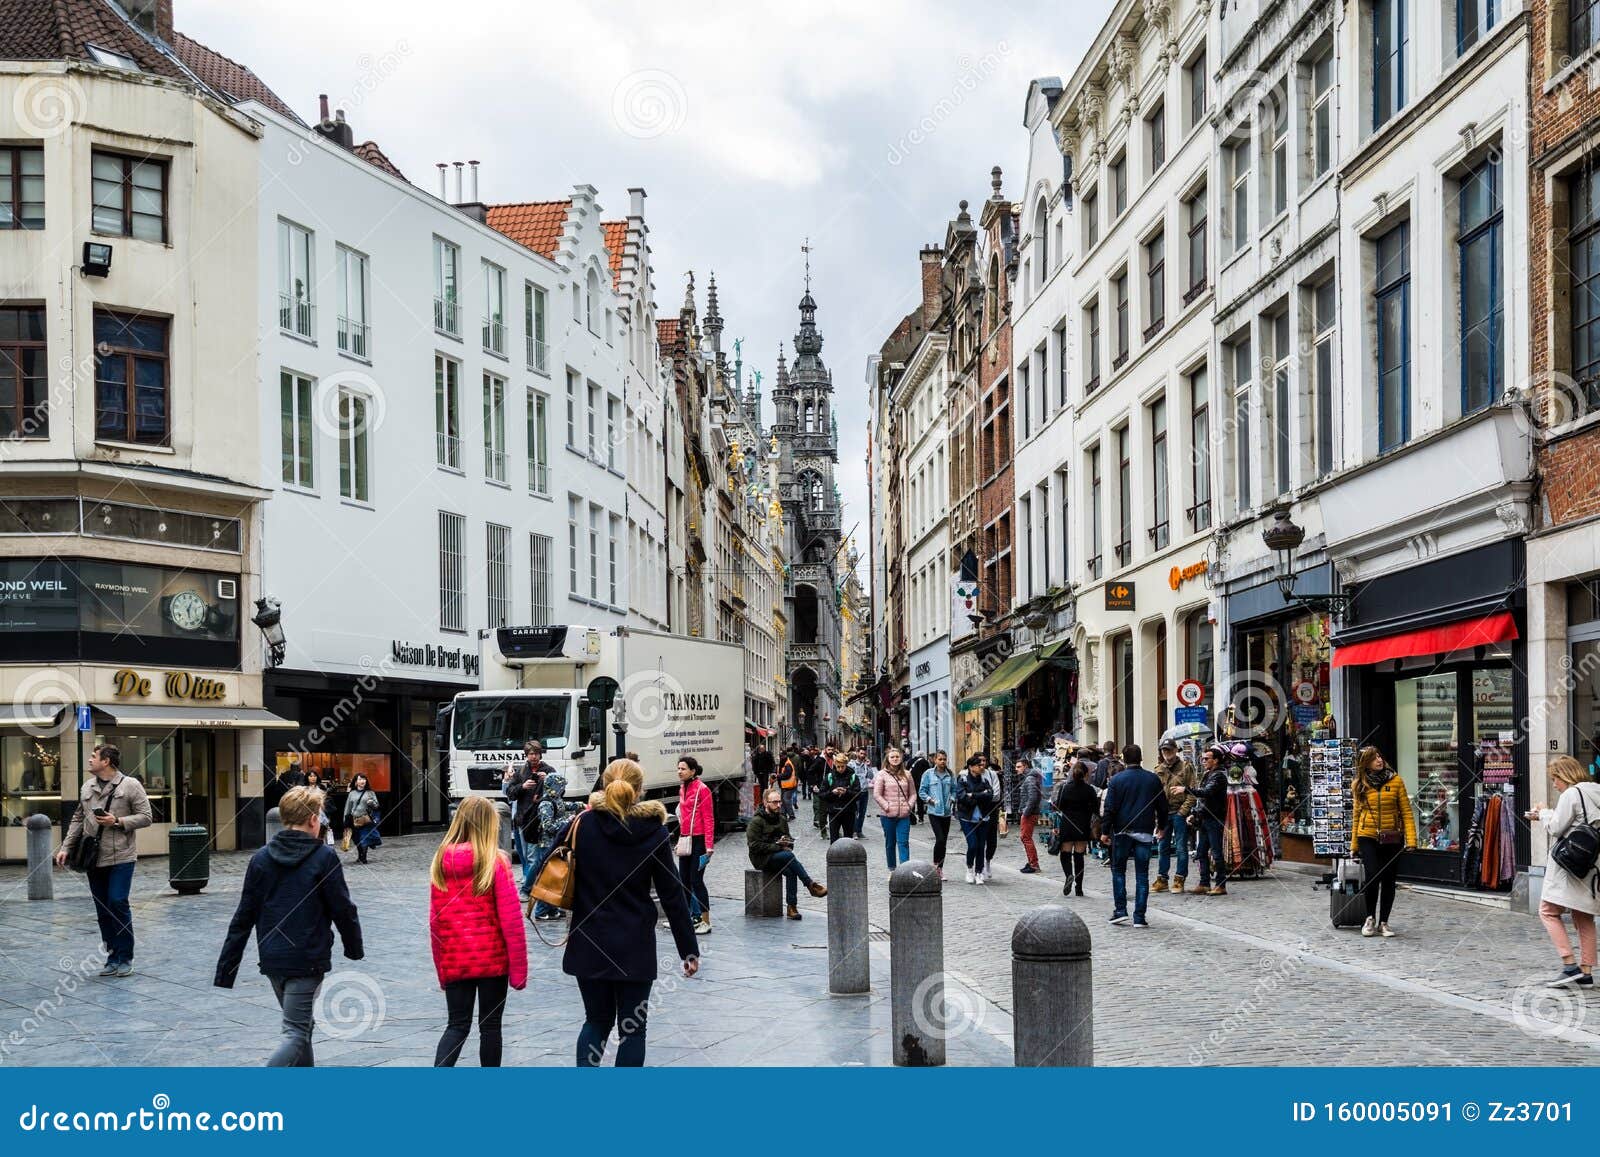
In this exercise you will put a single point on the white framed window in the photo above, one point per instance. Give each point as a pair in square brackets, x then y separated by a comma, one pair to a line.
[1320, 130]
[613, 409]
[1156, 137]
[494, 308]
[446, 287]
[1194, 75]
[1282, 432]
[295, 397]
[452, 571]
[574, 510]
[1241, 421]
[1118, 176]
[297, 310]
[594, 552]
[591, 303]
[592, 422]
[535, 321]
[1239, 179]
[494, 427]
[612, 561]
[572, 410]
[1325, 324]
[540, 550]
[447, 411]
[354, 325]
[497, 584]
[1274, 119]
[354, 465]
[538, 443]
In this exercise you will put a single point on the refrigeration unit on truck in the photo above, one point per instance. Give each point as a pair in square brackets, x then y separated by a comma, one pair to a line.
[675, 696]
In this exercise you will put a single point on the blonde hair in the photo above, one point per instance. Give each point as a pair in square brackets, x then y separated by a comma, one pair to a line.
[298, 805]
[477, 824]
[1568, 771]
[623, 785]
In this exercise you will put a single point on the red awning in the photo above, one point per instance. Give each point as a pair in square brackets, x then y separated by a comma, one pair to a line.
[1460, 636]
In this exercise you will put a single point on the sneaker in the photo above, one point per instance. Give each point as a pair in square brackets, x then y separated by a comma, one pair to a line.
[971, 877]
[1571, 974]
[125, 969]
[1140, 922]
[983, 877]
[1370, 928]
[109, 970]
[1383, 930]
[1027, 869]
[1119, 918]
[702, 927]
[1066, 889]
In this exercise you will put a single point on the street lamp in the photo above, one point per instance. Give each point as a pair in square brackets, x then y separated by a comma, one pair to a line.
[1284, 537]
[269, 617]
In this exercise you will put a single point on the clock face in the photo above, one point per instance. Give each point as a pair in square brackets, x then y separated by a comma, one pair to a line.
[187, 611]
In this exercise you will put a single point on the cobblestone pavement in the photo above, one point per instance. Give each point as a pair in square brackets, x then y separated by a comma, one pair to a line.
[1256, 977]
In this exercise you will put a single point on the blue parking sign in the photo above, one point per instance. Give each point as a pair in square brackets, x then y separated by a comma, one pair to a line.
[85, 722]
[1189, 715]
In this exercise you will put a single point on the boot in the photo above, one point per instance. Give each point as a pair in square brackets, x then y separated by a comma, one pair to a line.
[1177, 885]
[794, 913]
[1160, 885]
[817, 889]
[1219, 890]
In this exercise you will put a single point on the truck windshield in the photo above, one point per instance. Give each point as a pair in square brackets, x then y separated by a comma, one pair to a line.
[506, 724]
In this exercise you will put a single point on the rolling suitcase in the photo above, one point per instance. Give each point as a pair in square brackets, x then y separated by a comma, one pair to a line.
[1346, 907]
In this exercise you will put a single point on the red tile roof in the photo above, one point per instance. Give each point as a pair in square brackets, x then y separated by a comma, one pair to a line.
[667, 330]
[62, 30]
[232, 79]
[536, 224]
[369, 152]
[616, 242]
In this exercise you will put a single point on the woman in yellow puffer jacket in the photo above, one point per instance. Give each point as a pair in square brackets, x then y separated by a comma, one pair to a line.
[1381, 827]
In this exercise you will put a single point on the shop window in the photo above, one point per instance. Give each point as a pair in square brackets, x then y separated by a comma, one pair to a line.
[30, 778]
[1426, 755]
[1198, 661]
[152, 760]
[1122, 672]
[1583, 648]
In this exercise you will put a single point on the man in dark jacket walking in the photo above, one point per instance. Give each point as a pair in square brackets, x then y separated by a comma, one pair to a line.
[294, 893]
[771, 849]
[840, 790]
[1133, 817]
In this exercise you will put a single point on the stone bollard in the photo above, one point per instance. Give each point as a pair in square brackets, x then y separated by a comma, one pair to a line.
[1052, 989]
[916, 965]
[763, 893]
[274, 824]
[849, 956]
[41, 883]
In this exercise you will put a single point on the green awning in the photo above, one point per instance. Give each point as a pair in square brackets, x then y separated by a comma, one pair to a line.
[1000, 688]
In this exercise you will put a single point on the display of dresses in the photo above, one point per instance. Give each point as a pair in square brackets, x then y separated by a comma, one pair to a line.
[1247, 836]
[1489, 860]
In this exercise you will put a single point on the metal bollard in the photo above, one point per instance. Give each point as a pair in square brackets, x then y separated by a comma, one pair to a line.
[916, 965]
[849, 957]
[1052, 986]
[274, 824]
[41, 883]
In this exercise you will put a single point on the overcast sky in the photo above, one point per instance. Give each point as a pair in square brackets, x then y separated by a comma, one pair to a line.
[751, 126]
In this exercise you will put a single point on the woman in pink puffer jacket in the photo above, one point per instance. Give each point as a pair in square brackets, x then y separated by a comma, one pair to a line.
[475, 925]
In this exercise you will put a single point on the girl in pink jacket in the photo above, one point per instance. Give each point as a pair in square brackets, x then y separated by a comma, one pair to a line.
[697, 826]
[475, 925]
[895, 796]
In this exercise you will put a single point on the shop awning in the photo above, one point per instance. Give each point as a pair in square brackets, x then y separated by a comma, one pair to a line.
[134, 715]
[1441, 640]
[25, 715]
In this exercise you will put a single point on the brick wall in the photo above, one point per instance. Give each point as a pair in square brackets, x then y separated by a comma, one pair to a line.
[1570, 468]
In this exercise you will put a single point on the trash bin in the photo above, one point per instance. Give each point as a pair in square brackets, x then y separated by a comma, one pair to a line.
[189, 858]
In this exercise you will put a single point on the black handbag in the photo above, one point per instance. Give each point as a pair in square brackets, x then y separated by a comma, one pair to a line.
[85, 853]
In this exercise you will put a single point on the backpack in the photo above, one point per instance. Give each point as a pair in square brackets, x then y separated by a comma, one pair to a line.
[790, 780]
[1579, 850]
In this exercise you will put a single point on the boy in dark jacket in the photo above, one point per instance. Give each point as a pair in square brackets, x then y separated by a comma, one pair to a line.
[840, 789]
[1133, 817]
[294, 892]
[771, 849]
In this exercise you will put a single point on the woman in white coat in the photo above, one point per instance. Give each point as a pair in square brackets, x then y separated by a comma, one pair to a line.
[1578, 802]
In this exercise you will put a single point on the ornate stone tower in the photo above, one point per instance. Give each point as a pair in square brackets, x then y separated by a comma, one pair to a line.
[808, 450]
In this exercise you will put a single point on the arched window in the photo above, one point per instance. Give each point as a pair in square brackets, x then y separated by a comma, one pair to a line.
[592, 305]
[1041, 228]
[816, 494]
[992, 292]
[577, 302]
[808, 416]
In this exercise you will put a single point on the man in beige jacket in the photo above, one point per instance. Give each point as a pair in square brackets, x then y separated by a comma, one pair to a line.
[117, 805]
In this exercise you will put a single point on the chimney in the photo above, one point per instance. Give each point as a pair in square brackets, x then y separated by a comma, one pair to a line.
[334, 129]
[472, 181]
[441, 166]
[153, 16]
[459, 166]
[932, 267]
[636, 203]
[342, 132]
[470, 205]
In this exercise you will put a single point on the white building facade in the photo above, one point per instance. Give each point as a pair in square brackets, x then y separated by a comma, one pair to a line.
[920, 397]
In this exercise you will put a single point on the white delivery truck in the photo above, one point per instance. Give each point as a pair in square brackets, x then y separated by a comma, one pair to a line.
[674, 696]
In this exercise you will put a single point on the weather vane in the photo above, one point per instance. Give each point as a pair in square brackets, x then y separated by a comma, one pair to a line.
[805, 247]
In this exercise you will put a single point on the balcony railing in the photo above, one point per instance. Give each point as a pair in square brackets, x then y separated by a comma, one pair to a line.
[1194, 291]
[1091, 385]
[1094, 566]
[494, 335]
[448, 447]
[538, 477]
[538, 356]
[1155, 327]
[1161, 534]
[353, 336]
[296, 316]
[1199, 515]
[1119, 361]
[1124, 552]
[494, 463]
[447, 316]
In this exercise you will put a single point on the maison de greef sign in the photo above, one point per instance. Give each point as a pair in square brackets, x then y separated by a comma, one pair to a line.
[438, 658]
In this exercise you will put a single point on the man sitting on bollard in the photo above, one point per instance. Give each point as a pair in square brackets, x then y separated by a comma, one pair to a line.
[771, 849]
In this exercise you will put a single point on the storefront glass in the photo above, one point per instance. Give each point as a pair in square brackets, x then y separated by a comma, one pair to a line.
[1427, 753]
[30, 778]
[1307, 704]
[1198, 664]
[152, 760]
[1583, 651]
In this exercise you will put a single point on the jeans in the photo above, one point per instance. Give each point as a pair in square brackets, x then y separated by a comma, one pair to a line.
[1177, 833]
[841, 823]
[694, 880]
[861, 812]
[991, 837]
[789, 810]
[1121, 848]
[520, 843]
[297, 996]
[624, 1004]
[941, 836]
[533, 859]
[793, 872]
[109, 887]
[977, 833]
[490, 994]
[1028, 847]
[1208, 849]
[896, 835]
[1381, 863]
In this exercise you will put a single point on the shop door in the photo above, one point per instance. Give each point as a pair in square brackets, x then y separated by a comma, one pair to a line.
[1428, 755]
[197, 797]
[427, 800]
